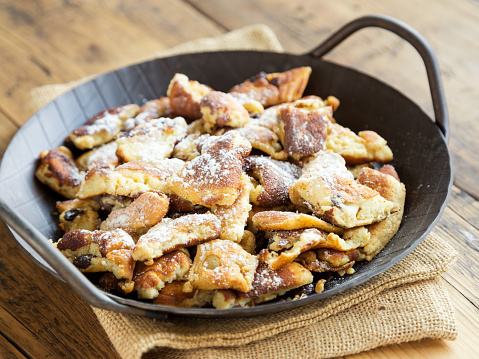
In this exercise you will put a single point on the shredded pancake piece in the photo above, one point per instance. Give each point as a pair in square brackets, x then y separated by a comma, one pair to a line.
[134, 178]
[328, 260]
[220, 109]
[185, 96]
[173, 294]
[253, 107]
[59, 172]
[267, 285]
[108, 202]
[281, 220]
[79, 214]
[214, 178]
[151, 279]
[274, 178]
[365, 147]
[248, 242]
[275, 88]
[393, 190]
[222, 264]
[262, 139]
[130, 179]
[100, 251]
[142, 214]
[99, 156]
[151, 110]
[302, 130]
[286, 246]
[189, 147]
[172, 234]
[233, 218]
[103, 127]
[153, 141]
[96, 181]
[269, 119]
[329, 189]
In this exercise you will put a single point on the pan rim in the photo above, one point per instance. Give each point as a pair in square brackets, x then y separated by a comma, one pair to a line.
[265, 308]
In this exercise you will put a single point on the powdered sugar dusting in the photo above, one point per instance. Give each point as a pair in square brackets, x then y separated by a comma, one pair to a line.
[219, 164]
[140, 119]
[109, 123]
[112, 240]
[330, 168]
[120, 219]
[287, 169]
[268, 119]
[105, 153]
[242, 98]
[268, 278]
[152, 141]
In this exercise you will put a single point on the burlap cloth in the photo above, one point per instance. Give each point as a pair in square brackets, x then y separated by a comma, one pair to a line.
[407, 302]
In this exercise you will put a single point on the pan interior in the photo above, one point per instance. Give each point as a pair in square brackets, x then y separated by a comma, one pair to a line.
[421, 155]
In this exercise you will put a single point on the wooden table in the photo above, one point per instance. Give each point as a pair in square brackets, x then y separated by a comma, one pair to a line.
[45, 42]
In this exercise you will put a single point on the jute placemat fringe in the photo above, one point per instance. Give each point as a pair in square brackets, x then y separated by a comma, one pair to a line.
[133, 335]
[405, 303]
[392, 317]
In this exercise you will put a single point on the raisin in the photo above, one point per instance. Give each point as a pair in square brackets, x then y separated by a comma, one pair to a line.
[83, 261]
[274, 81]
[71, 214]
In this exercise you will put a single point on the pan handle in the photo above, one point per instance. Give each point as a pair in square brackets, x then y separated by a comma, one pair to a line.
[77, 281]
[415, 39]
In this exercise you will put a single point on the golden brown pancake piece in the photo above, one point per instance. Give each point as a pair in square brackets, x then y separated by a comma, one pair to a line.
[214, 178]
[185, 96]
[134, 178]
[394, 191]
[152, 141]
[303, 132]
[144, 212]
[104, 154]
[150, 279]
[222, 264]
[330, 191]
[172, 234]
[174, 295]
[263, 139]
[267, 285]
[103, 127]
[365, 147]
[220, 109]
[274, 178]
[79, 214]
[96, 181]
[286, 246]
[275, 88]
[149, 111]
[59, 172]
[327, 260]
[233, 218]
[100, 251]
[279, 220]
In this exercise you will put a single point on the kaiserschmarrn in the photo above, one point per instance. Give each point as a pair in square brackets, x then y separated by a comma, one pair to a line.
[226, 198]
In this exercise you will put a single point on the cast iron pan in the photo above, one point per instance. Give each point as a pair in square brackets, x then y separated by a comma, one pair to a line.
[419, 144]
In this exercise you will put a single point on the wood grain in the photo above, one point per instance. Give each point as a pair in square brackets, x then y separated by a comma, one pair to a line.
[55, 41]
[7, 130]
[81, 38]
[450, 26]
[462, 347]
[42, 315]
[8, 351]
